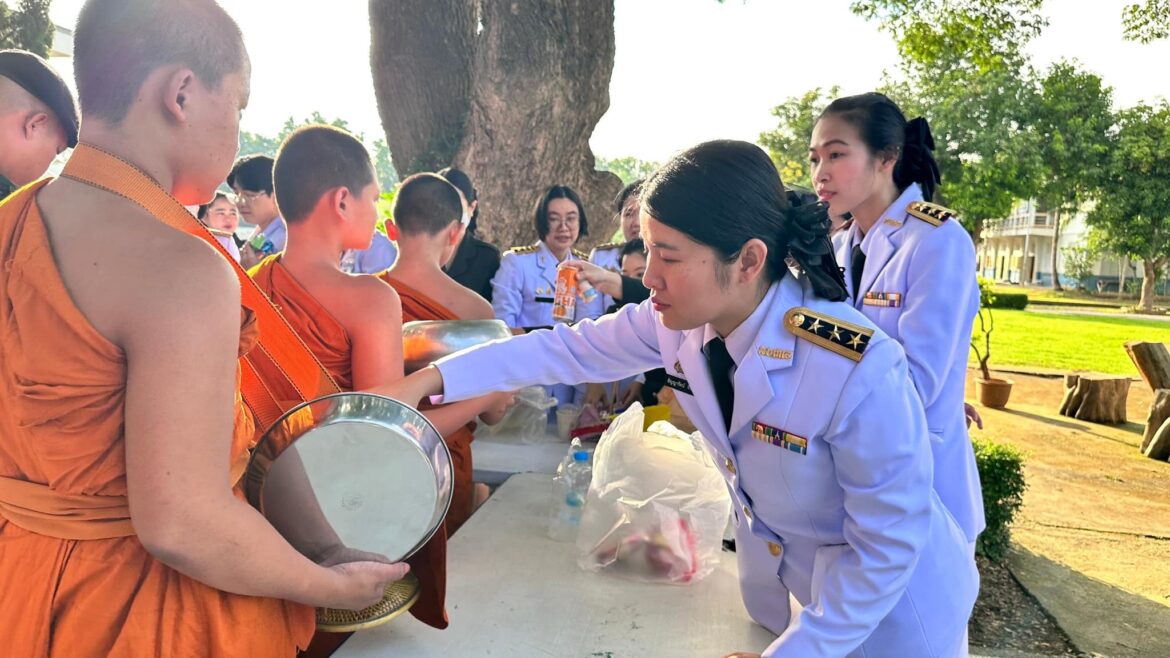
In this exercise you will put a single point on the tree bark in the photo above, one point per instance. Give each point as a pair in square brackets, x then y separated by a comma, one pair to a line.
[1156, 439]
[1152, 361]
[1146, 303]
[1095, 398]
[421, 54]
[1056, 249]
[542, 72]
[1124, 263]
[513, 104]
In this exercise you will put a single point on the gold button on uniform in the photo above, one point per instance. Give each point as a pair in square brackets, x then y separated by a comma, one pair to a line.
[730, 465]
[774, 549]
[747, 512]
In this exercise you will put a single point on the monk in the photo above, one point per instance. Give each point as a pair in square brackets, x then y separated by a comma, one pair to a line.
[431, 215]
[327, 191]
[121, 422]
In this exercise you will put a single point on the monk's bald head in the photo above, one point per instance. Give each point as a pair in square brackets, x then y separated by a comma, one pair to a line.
[118, 43]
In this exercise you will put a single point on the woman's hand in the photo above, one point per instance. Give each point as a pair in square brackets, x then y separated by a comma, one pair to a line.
[359, 585]
[606, 282]
[972, 416]
[496, 405]
[595, 396]
[633, 394]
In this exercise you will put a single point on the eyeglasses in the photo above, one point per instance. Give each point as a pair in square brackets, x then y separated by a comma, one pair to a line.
[249, 197]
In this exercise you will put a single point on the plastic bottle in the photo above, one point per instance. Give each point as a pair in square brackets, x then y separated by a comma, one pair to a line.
[570, 489]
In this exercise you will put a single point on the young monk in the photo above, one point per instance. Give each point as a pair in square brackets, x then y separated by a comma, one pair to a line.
[327, 191]
[431, 215]
[120, 416]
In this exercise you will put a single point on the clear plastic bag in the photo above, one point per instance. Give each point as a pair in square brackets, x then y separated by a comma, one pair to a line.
[527, 419]
[657, 506]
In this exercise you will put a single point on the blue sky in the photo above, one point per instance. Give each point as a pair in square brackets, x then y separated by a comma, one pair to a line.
[685, 71]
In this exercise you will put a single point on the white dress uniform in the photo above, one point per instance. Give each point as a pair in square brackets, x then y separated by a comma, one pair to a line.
[919, 286]
[827, 462]
[607, 257]
[522, 296]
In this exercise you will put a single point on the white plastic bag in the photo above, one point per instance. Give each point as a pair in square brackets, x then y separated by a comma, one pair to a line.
[657, 505]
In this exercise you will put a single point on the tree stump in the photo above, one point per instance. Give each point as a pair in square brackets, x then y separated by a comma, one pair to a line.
[1152, 361]
[1095, 398]
[1156, 440]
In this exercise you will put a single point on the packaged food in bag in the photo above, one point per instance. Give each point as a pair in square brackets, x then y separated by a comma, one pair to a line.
[657, 506]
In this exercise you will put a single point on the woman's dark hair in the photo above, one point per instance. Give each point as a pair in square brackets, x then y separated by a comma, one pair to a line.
[462, 181]
[207, 206]
[541, 213]
[884, 129]
[724, 193]
[635, 246]
[619, 201]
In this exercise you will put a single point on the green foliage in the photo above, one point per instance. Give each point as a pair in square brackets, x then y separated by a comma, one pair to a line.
[1001, 472]
[788, 142]
[1146, 21]
[1012, 300]
[254, 143]
[27, 27]
[1079, 262]
[1132, 214]
[985, 323]
[628, 168]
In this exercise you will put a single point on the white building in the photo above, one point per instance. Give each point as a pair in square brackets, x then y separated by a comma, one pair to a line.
[1018, 249]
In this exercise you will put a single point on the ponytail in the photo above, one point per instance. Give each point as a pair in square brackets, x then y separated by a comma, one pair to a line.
[916, 163]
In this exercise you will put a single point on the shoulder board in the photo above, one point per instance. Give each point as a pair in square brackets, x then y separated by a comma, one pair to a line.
[526, 249]
[607, 246]
[931, 213]
[845, 338]
[580, 255]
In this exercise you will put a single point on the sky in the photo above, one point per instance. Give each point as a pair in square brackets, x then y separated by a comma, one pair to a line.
[685, 70]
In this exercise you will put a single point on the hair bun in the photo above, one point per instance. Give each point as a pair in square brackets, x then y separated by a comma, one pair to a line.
[808, 227]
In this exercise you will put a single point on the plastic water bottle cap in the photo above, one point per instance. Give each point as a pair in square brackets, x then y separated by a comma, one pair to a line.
[580, 456]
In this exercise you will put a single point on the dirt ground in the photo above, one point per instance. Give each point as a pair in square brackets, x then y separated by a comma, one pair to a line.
[1094, 503]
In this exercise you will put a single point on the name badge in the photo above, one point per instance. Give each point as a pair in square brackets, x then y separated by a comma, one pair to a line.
[544, 300]
[779, 438]
[679, 384]
[887, 299]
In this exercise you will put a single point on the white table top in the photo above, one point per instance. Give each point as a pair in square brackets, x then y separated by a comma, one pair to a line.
[513, 592]
[495, 458]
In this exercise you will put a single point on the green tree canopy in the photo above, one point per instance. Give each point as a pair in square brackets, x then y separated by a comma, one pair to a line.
[1133, 208]
[27, 27]
[1146, 21]
[628, 168]
[788, 142]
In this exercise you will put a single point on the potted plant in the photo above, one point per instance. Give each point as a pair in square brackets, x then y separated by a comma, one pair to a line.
[993, 392]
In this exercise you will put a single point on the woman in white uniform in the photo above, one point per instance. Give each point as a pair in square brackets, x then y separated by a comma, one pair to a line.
[806, 407]
[910, 268]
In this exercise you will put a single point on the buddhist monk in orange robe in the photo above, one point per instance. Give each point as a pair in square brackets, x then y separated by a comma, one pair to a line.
[121, 424]
[326, 190]
[429, 213]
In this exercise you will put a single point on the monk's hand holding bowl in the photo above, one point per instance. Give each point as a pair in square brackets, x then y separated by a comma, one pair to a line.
[359, 585]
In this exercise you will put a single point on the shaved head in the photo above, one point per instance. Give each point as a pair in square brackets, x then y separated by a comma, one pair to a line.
[119, 43]
[14, 98]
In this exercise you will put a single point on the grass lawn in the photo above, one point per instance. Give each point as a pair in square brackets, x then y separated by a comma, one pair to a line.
[1048, 295]
[1068, 342]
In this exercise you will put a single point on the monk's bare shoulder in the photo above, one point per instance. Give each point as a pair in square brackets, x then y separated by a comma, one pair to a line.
[467, 304]
[365, 301]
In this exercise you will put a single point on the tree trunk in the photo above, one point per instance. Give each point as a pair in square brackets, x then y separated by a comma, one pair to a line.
[1146, 303]
[1121, 277]
[1152, 361]
[1156, 439]
[541, 84]
[1056, 249]
[421, 53]
[514, 103]
[1095, 398]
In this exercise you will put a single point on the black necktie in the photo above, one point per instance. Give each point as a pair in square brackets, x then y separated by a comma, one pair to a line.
[719, 362]
[856, 266]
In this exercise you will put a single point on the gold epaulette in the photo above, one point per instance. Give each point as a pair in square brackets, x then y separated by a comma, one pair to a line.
[847, 339]
[525, 249]
[580, 255]
[931, 213]
[608, 246]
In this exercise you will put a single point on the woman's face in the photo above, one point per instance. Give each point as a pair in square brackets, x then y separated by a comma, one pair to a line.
[681, 275]
[631, 227]
[222, 215]
[564, 225]
[844, 171]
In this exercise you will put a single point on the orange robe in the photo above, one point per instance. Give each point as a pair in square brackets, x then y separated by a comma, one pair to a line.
[418, 306]
[74, 586]
[330, 342]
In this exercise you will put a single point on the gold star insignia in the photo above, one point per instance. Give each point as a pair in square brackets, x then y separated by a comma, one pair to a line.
[855, 342]
[815, 326]
[836, 333]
